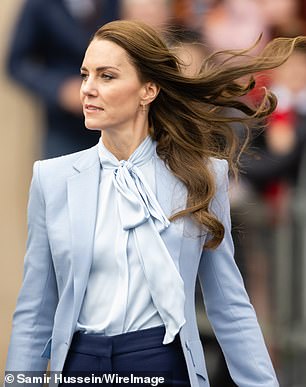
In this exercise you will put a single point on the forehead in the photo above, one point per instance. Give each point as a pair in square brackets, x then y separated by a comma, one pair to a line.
[105, 53]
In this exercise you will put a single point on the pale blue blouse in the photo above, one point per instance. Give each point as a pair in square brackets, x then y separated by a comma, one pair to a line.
[118, 298]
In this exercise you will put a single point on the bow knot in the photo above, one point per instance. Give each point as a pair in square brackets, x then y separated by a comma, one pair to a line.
[140, 213]
[125, 163]
[136, 201]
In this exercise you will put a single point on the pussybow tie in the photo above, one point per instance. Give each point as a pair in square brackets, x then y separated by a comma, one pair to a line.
[141, 214]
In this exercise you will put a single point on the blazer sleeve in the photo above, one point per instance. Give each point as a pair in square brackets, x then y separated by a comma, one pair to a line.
[38, 297]
[228, 308]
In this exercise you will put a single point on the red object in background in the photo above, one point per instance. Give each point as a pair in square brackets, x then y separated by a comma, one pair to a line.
[276, 192]
[182, 10]
[276, 197]
[273, 192]
[285, 116]
[262, 80]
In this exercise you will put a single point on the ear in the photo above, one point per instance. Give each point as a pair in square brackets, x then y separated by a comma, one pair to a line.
[149, 93]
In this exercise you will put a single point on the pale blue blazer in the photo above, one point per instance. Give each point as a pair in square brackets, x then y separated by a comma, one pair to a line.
[61, 222]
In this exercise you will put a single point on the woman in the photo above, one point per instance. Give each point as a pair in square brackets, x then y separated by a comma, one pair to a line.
[109, 280]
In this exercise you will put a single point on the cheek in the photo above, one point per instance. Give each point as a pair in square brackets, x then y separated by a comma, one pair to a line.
[122, 95]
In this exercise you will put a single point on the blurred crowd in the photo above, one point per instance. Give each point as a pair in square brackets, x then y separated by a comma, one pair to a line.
[45, 54]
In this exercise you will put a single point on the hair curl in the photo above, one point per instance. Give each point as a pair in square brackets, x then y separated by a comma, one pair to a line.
[186, 116]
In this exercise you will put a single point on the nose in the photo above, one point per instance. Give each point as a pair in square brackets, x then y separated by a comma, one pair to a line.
[88, 88]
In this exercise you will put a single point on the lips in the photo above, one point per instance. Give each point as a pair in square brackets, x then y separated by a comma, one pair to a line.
[92, 108]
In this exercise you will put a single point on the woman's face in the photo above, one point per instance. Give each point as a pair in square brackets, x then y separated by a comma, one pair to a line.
[111, 92]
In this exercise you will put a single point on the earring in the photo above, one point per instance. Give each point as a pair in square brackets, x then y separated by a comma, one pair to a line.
[143, 107]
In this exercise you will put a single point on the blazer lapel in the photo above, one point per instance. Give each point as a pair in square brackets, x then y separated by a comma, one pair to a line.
[83, 190]
[172, 195]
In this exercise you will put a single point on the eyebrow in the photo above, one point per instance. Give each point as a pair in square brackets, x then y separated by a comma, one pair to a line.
[101, 68]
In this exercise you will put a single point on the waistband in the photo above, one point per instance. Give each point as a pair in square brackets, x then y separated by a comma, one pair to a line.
[100, 345]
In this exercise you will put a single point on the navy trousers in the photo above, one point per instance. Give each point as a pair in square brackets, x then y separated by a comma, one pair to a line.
[135, 358]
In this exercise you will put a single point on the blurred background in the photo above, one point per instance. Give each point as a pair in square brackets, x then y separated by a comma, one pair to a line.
[40, 55]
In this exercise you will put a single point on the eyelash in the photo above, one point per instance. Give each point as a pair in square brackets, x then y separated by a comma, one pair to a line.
[107, 77]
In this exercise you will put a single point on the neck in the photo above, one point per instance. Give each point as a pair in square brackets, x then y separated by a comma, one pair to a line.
[123, 144]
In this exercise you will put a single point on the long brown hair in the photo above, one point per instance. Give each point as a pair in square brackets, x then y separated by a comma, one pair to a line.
[186, 116]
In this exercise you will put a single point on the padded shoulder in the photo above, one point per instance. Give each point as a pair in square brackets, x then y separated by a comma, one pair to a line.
[64, 166]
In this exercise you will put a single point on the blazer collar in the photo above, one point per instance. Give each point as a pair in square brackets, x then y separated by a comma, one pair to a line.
[82, 194]
[87, 159]
[171, 195]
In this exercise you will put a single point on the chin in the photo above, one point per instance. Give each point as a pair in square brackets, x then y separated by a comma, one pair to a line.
[91, 126]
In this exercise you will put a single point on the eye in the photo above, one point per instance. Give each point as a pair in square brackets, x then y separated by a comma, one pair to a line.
[84, 76]
[107, 76]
